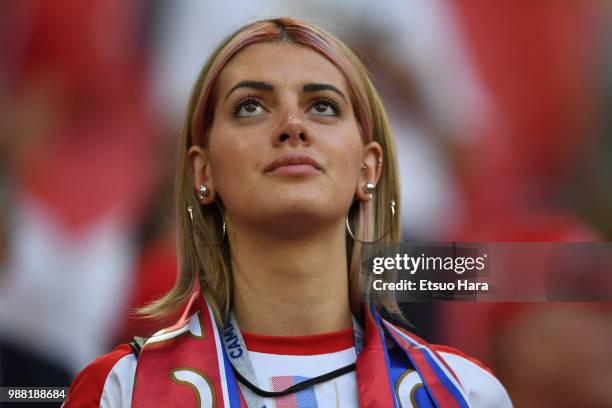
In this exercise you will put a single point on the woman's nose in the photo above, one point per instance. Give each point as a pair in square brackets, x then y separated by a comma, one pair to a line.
[293, 131]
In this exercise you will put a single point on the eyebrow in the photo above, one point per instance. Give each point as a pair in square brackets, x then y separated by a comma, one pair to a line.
[322, 87]
[264, 86]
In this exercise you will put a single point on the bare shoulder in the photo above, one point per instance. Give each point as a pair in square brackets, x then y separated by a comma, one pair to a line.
[106, 382]
[481, 386]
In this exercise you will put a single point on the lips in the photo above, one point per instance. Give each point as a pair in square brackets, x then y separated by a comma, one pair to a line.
[293, 164]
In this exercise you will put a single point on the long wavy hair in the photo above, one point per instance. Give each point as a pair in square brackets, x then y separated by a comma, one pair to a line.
[198, 261]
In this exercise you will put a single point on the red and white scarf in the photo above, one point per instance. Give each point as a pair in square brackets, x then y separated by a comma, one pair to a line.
[187, 365]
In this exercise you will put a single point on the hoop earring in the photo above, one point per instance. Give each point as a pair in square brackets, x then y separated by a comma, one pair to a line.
[223, 226]
[348, 227]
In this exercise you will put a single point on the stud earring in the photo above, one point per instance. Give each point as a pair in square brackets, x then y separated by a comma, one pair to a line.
[379, 162]
[370, 187]
[203, 192]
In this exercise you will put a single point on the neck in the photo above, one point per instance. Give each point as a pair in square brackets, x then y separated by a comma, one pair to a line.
[290, 286]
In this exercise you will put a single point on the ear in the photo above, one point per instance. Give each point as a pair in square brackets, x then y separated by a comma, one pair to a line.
[202, 174]
[371, 169]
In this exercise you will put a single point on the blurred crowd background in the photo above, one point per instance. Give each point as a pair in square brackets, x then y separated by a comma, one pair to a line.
[502, 113]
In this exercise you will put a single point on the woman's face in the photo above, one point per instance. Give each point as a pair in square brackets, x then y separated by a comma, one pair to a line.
[284, 151]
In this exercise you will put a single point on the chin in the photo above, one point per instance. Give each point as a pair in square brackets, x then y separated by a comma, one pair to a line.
[298, 209]
[299, 215]
[314, 204]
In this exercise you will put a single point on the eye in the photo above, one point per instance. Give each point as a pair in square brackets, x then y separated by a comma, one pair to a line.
[247, 107]
[325, 107]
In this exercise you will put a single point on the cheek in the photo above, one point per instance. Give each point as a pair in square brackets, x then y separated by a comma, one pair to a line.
[345, 160]
[232, 160]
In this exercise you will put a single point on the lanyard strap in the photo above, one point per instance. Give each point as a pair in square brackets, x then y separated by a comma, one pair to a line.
[297, 387]
[241, 362]
[245, 372]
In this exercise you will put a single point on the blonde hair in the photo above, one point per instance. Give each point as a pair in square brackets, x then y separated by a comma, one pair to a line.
[210, 264]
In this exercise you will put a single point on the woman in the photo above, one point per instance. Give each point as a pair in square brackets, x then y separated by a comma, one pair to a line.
[284, 136]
